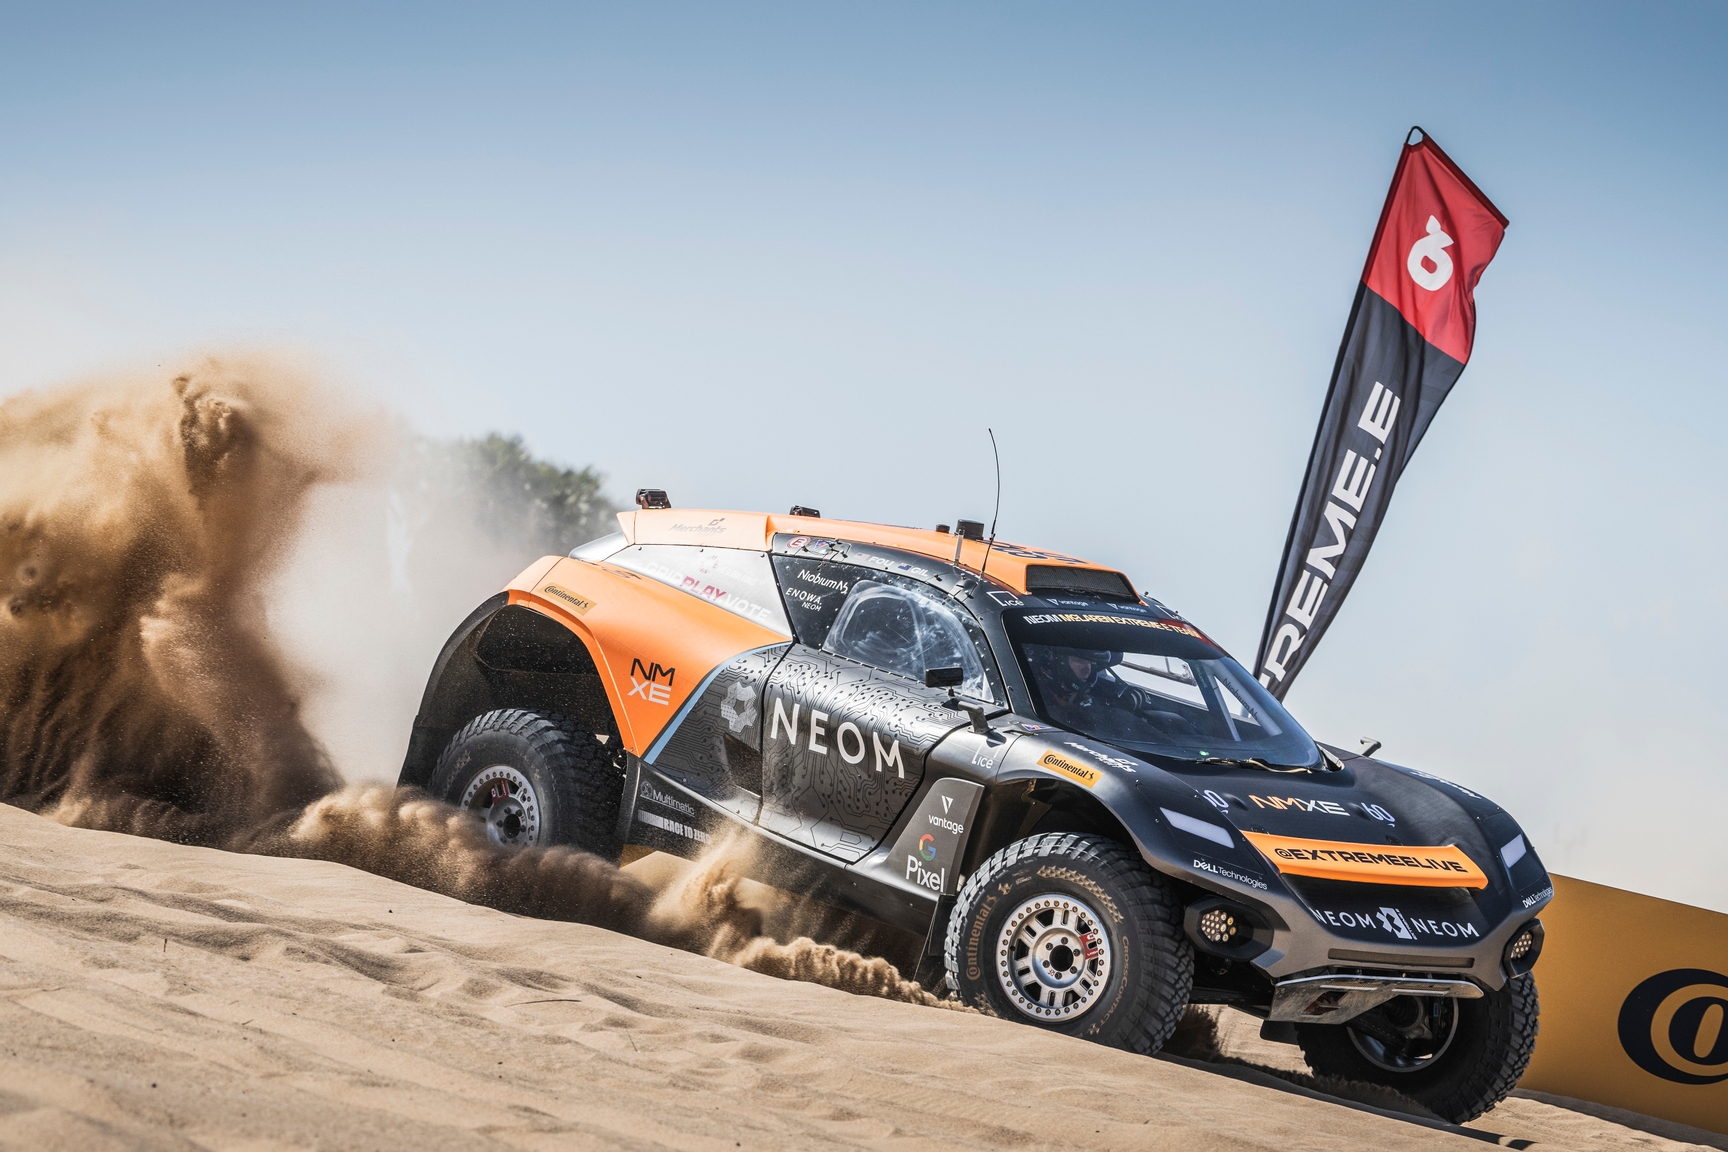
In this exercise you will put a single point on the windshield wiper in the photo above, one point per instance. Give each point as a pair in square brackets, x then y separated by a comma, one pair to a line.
[1253, 762]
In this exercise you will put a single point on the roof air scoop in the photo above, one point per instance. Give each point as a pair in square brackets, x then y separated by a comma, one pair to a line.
[1100, 582]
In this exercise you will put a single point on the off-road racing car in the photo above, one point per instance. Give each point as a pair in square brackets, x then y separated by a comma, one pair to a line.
[1071, 805]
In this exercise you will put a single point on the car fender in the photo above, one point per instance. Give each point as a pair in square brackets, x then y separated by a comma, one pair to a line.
[1175, 829]
[651, 647]
[655, 646]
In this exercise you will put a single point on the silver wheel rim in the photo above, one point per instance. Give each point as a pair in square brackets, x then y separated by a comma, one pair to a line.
[1053, 958]
[503, 798]
[1436, 1023]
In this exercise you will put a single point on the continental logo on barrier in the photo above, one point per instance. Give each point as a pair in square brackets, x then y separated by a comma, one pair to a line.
[1080, 773]
[577, 604]
[1442, 867]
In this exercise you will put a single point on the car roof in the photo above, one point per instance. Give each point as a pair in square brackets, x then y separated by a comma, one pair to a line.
[756, 531]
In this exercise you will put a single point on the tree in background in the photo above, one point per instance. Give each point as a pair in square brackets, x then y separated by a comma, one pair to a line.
[520, 503]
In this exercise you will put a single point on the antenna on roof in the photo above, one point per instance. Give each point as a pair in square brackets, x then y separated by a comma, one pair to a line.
[994, 515]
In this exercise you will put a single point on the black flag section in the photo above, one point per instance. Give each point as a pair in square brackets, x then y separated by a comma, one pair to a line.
[1407, 341]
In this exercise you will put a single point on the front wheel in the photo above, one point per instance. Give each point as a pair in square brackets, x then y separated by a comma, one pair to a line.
[536, 779]
[1075, 934]
[1458, 1058]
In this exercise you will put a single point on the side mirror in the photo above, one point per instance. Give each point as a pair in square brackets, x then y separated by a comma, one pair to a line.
[944, 677]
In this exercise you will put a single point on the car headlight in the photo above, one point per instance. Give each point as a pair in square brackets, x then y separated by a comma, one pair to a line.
[1224, 928]
[1524, 947]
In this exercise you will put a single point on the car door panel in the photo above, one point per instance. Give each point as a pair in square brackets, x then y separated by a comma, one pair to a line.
[716, 749]
[843, 750]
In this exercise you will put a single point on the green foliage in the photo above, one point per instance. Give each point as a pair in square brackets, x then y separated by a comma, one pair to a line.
[521, 502]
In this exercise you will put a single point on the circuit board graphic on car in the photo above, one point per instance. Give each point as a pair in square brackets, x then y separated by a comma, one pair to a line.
[1073, 806]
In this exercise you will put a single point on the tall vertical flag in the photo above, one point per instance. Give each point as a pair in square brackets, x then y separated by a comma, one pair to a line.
[1406, 344]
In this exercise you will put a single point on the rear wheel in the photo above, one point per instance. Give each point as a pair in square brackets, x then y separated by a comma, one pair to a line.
[536, 779]
[1459, 1058]
[1074, 934]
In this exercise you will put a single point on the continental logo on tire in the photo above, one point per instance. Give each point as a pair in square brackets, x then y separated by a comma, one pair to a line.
[1086, 882]
[1675, 1025]
[973, 971]
[577, 604]
[1079, 773]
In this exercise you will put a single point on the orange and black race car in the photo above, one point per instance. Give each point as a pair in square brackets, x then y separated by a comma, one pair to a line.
[1076, 808]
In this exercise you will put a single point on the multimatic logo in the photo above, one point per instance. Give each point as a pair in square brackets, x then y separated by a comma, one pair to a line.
[645, 682]
[848, 739]
[1675, 1025]
[654, 796]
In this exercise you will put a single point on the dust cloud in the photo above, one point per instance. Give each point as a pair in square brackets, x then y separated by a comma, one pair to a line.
[151, 528]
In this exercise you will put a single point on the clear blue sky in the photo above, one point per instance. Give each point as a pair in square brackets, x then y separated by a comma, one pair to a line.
[758, 255]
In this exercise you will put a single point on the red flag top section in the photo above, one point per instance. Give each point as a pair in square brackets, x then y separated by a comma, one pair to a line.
[1436, 235]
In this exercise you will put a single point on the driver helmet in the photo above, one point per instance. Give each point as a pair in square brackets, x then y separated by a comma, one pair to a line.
[1075, 671]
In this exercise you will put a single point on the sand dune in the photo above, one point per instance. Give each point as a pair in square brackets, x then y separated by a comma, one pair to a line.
[154, 995]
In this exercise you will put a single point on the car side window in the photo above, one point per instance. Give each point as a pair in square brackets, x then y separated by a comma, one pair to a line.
[904, 629]
[814, 590]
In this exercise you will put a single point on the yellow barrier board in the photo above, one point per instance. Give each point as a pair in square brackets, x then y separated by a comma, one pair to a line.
[1634, 1004]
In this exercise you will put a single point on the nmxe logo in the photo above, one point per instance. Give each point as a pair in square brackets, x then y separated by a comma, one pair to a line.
[645, 682]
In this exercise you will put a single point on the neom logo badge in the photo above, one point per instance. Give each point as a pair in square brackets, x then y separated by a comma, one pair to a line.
[1672, 1026]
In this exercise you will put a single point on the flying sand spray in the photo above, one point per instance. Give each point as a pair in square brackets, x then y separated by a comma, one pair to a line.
[142, 691]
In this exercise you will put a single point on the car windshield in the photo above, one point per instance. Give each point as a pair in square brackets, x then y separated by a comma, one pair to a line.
[1151, 685]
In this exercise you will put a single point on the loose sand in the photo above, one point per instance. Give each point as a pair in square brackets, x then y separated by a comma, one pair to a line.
[159, 996]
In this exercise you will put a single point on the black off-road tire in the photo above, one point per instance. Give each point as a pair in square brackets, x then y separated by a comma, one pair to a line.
[1487, 1057]
[561, 783]
[1150, 963]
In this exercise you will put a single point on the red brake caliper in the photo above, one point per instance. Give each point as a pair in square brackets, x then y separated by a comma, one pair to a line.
[500, 791]
[1090, 939]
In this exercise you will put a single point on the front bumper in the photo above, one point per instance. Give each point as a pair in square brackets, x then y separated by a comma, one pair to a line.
[1444, 934]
